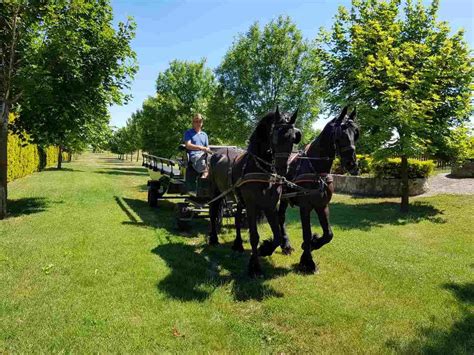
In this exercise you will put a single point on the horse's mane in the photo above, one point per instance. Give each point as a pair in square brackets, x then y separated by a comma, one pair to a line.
[260, 134]
[319, 139]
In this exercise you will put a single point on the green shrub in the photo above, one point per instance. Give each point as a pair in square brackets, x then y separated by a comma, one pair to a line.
[391, 168]
[25, 158]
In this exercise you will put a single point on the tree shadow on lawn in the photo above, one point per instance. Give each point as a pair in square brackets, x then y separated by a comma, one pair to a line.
[26, 206]
[123, 171]
[365, 216]
[457, 339]
[64, 170]
[126, 169]
[196, 273]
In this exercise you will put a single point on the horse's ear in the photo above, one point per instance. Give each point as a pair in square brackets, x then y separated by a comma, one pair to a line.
[342, 115]
[353, 116]
[293, 117]
[277, 114]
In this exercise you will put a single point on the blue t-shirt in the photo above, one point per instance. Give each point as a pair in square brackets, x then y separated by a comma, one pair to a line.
[197, 139]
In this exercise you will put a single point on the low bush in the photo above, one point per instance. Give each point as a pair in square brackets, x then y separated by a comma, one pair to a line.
[25, 158]
[391, 168]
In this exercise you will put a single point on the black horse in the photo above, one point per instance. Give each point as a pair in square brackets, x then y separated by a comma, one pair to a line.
[309, 170]
[250, 177]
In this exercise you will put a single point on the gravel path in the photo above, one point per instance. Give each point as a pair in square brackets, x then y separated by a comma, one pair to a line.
[443, 184]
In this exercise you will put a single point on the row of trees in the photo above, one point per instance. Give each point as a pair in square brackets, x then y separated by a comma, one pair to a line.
[62, 63]
[408, 75]
[265, 66]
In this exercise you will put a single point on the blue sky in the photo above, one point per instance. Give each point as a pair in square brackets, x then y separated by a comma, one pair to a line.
[195, 29]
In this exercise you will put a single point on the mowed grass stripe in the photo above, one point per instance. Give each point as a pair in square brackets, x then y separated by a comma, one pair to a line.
[87, 266]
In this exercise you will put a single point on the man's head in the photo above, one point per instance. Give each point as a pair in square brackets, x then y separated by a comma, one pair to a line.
[197, 122]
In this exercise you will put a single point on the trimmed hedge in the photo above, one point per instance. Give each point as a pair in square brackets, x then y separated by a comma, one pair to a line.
[25, 158]
[388, 168]
[391, 168]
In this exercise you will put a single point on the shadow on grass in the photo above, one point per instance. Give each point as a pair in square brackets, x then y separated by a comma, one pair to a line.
[26, 206]
[123, 171]
[197, 271]
[64, 170]
[126, 169]
[457, 339]
[163, 216]
[365, 216]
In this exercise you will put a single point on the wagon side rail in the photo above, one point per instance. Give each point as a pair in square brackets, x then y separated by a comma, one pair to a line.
[165, 166]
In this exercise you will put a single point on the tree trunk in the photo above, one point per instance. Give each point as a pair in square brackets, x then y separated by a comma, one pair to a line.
[138, 154]
[3, 159]
[60, 156]
[404, 204]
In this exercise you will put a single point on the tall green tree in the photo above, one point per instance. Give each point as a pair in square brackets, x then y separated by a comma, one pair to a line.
[77, 65]
[183, 89]
[409, 77]
[269, 66]
[18, 20]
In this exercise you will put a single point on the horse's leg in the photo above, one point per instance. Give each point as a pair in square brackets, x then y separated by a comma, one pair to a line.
[254, 269]
[213, 211]
[323, 215]
[286, 247]
[238, 244]
[268, 246]
[307, 264]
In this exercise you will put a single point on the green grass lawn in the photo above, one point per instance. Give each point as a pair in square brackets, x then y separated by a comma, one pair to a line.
[87, 266]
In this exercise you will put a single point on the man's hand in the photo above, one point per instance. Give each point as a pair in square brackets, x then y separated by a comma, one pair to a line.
[207, 150]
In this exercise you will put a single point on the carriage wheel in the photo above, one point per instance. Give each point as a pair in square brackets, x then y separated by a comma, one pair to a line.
[152, 196]
[162, 186]
[183, 214]
[156, 190]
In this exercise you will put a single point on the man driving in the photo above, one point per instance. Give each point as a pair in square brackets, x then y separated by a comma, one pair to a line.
[197, 144]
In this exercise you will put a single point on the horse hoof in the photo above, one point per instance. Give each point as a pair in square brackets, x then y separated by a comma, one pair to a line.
[266, 249]
[307, 269]
[307, 264]
[315, 242]
[238, 247]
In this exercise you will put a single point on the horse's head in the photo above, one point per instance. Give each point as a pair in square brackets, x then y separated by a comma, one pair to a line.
[283, 135]
[273, 139]
[346, 134]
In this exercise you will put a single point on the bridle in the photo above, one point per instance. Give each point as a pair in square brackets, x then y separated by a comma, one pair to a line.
[275, 155]
[274, 139]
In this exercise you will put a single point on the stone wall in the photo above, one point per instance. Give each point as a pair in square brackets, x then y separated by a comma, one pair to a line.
[464, 170]
[371, 186]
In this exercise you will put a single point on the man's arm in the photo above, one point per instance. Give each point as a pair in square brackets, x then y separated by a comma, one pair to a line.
[191, 146]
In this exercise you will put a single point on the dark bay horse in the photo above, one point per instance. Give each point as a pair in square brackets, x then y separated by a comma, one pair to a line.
[309, 169]
[250, 178]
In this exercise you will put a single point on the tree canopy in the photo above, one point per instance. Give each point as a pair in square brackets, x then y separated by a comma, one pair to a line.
[269, 66]
[76, 66]
[403, 69]
[183, 89]
[409, 77]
